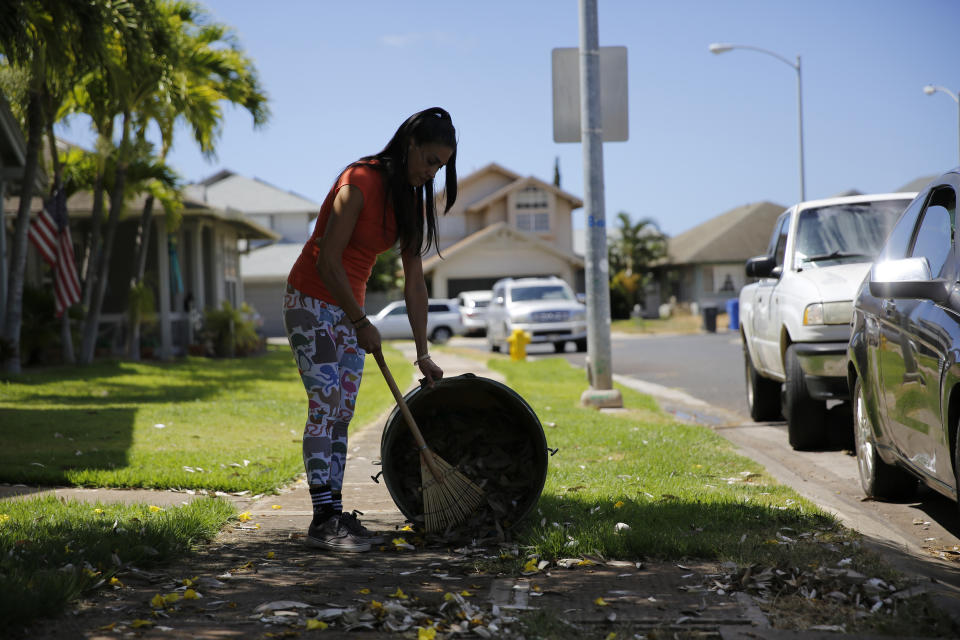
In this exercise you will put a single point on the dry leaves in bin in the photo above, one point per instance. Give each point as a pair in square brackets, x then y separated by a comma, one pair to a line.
[492, 447]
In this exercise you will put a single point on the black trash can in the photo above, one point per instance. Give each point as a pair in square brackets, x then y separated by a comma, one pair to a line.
[485, 429]
[710, 319]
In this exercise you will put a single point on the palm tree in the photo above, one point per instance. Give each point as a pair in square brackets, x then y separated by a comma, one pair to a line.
[640, 246]
[207, 68]
[46, 40]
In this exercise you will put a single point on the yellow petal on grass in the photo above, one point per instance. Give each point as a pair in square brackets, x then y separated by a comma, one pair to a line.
[612, 635]
[406, 527]
[618, 504]
[466, 594]
[447, 597]
[115, 582]
[426, 634]
[4, 517]
[585, 562]
[377, 607]
[157, 601]
[98, 512]
[171, 598]
[600, 602]
[316, 625]
[244, 517]
[108, 627]
[271, 555]
[399, 594]
[364, 591]
[531, 566]
[190, 594]
[140, 623]
[154, 509]
[275, 506]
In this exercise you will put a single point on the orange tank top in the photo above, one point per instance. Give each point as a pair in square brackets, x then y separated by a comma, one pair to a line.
[374, 233]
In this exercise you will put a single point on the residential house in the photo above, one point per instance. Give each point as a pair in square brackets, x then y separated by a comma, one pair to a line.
[265, 267]
[501, 225]
[194, 268]
[706, 263]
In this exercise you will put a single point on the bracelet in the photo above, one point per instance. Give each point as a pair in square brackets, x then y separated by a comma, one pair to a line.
[360, 319]
[425, 356]
[364, 323]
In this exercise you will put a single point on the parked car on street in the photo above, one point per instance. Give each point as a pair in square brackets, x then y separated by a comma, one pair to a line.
[443, 321]
[546, 308]
[904, 350]
[473, 310]
[795, 320]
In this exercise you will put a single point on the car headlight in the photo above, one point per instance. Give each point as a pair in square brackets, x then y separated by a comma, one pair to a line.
[828, 313]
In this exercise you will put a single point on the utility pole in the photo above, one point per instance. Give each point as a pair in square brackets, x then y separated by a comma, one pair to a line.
[601, 392]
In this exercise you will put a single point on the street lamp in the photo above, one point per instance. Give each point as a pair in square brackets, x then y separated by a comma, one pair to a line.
[931, 89]
[722, 47]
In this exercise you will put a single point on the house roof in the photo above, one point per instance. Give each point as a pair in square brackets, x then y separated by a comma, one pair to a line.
[492, 167]
[733, 236]
[269, 263]
[493, 230]
[519, 183]
[229, 190]
[80, 205]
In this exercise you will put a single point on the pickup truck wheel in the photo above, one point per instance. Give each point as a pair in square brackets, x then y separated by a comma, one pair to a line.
[441, 335]
[877, 478]
[806, 417]
[763, 394]
[559, 347]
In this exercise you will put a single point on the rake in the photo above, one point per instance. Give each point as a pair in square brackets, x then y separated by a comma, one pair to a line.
[449, 497]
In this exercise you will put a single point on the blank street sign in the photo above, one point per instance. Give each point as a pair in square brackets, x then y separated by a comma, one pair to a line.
[613, 94]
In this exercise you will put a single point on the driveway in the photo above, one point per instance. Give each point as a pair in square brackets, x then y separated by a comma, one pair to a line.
[700, 378]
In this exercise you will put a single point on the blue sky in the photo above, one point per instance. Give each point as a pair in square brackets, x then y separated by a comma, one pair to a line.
[707, 133]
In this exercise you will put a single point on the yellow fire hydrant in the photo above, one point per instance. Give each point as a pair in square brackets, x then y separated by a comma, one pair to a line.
[518, 340]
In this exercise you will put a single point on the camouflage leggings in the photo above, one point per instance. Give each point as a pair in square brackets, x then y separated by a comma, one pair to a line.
[324, 344]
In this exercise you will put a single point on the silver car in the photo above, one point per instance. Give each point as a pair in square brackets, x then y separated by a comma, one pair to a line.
[546, 308]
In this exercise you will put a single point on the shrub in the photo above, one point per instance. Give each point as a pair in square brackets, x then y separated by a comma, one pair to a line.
[230, 332]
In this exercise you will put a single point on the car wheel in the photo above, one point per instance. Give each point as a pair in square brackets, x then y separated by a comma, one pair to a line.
[763, 394]
[441, 335]
[559, 347]
[581, 345]
[877, 478]
[806, 416]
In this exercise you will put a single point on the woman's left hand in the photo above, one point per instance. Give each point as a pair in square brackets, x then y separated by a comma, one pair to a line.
[430, 370]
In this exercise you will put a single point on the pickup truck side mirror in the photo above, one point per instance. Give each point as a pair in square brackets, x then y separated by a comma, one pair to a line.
[762, 267]
[907, 278]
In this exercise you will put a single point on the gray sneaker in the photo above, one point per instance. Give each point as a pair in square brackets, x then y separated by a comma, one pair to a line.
[334, 536]
[357, 530]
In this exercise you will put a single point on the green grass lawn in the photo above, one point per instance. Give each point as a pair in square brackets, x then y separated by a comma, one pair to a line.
[51, 551]
[227, 425]
[681, 488]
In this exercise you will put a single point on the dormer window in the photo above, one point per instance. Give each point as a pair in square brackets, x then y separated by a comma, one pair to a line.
[532, 198]
[532, 210]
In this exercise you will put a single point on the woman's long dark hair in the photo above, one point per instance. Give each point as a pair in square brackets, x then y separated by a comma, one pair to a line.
[414, 206]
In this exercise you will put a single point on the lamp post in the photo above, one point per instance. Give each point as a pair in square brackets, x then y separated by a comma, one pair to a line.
[931, 89]
[718, 48]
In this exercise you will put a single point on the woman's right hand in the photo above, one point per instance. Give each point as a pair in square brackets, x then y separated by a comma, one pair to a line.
[368, 338]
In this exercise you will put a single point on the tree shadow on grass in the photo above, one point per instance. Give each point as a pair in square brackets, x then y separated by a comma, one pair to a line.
[42, 445]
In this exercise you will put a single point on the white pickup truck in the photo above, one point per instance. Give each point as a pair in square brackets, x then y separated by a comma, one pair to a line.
[795, 320]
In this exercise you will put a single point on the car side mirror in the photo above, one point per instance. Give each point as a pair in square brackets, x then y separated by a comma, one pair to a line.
[907, 278]
[762, 267]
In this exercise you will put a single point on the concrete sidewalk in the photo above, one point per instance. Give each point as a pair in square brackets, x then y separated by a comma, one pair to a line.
[259, 578]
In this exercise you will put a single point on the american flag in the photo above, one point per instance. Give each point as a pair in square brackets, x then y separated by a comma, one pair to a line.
[50, 234]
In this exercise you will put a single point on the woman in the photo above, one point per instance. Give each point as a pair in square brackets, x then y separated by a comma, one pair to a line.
[378, 202]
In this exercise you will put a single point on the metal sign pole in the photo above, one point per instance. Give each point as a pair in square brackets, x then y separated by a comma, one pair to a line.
[601, 392]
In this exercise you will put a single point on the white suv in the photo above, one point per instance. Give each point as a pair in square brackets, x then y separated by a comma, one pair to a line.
[443, 321]
[546, 308]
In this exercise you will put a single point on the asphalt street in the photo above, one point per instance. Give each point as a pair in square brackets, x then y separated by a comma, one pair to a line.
[700, 378]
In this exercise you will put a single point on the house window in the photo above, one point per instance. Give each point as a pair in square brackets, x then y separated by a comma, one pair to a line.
[532, 198]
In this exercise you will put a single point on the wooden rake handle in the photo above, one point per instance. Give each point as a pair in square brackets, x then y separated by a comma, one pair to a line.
[425, 452]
